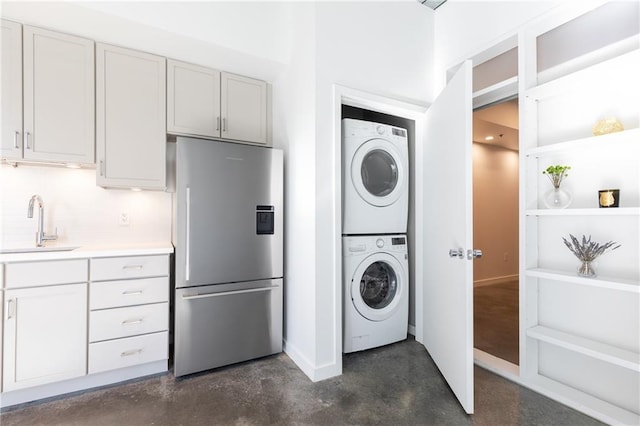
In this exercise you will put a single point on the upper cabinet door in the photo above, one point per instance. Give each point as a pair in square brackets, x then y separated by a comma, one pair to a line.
[131, 118]
[244, 109]
[193, 100]
[59, 100]
[11, 61]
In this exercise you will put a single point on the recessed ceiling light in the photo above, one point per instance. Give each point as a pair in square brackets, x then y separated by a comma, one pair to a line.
[488, 138]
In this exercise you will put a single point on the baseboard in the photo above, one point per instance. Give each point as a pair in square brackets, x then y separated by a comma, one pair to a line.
[81, 384]
[495, 280]
[313, 372]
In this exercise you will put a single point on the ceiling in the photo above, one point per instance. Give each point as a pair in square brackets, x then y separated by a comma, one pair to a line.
[498, 121]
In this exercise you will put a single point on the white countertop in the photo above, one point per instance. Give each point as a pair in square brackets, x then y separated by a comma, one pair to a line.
[89, 251]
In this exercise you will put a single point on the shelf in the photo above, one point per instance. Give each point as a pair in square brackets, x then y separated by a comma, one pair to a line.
[619, 140]
[631, 286]
[496, 92]
[627, 63]
[615, 211]
[602, 351]
[581, 401]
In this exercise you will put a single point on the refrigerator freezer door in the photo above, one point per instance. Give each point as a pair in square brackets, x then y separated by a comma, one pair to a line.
[223, 324]
[225, 193]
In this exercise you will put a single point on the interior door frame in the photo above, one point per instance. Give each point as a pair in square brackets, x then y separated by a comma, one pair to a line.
[366, 100]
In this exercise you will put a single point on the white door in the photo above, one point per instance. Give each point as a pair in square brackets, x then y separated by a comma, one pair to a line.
[447, 320]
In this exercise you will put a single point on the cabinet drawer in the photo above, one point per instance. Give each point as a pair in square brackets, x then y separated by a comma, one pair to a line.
[120, 353]
[113, 294]
[114, 268]
[130, 321]
[32, 274]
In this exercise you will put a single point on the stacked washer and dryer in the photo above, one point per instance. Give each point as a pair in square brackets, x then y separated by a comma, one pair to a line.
[375, 176]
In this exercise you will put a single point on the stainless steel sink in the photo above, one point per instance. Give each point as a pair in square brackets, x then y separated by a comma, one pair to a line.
[36, 249]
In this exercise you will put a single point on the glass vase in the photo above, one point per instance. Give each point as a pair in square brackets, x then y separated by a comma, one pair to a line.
[587, 269]
[557, 198]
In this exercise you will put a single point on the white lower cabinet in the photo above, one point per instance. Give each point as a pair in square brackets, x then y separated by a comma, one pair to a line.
[45, 335]
[129, 312]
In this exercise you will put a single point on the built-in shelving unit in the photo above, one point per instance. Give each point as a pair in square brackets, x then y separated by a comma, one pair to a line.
[580, 337]
[609, 283]
[621, 211]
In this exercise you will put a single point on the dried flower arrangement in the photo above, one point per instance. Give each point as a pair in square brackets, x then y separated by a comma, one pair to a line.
[587, 251]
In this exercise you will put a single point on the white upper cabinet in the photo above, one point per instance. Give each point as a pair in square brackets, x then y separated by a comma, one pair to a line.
[11, 133]
[58, 105]
[59, 97]
[244, 108]
[131, 118]
[205, 102]
[193, 94]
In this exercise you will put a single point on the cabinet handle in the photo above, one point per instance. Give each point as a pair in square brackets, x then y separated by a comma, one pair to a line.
[132, 321]
[101, 167]
[28, 137]
[131, 292]
[131, 352]
[133, 267]
[10, 305]
[224, 124]
[16, 135]
[217, 123]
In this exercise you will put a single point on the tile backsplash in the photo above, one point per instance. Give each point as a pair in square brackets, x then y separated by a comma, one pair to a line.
[83, 212]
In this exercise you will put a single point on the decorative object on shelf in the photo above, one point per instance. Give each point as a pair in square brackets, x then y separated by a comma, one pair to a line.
[606, 126]
[609, 198]
[587, 251]
[556, 197]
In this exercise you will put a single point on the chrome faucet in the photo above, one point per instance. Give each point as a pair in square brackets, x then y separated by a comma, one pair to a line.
[40, 235]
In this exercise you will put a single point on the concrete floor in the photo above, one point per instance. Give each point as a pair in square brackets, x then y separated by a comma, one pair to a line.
[392, 385]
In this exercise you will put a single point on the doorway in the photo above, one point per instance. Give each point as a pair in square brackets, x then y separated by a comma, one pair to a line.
[495, 225]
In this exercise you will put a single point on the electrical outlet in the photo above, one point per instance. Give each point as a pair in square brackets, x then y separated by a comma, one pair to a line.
[506, 256]
[124, 219]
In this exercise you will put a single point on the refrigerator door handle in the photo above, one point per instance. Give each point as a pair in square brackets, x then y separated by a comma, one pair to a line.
[188, 233]
[227, 293]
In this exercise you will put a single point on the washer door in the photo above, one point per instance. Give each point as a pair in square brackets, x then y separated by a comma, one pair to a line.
[377, 286]
[378, 172]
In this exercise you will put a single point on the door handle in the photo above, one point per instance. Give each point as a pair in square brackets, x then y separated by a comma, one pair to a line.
[474, 254]
[459, 253]
[187, 259]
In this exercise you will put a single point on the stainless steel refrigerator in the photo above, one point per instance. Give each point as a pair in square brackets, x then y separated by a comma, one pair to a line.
[228, 237]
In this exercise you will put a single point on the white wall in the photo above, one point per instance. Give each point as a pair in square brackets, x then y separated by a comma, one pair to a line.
[495, 213]
[82, 212]
[294, 132]
[463, 28]
[220, 50]
[379, 47]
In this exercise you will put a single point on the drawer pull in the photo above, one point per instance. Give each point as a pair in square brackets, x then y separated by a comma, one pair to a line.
[132, 321]
[131, 292]
[133, 267]
[131, 352]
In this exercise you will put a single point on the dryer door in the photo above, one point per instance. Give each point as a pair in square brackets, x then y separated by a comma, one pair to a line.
[377, 286]
[378, 172]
